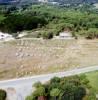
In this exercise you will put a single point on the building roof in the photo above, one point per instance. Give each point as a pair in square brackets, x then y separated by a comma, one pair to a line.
[66, 34]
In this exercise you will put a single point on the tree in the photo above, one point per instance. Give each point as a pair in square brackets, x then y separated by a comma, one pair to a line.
[54, 93]
[79, 93]
[47, 35]
[38, 85]
[73, 92]
[55, 79]
[40, 91]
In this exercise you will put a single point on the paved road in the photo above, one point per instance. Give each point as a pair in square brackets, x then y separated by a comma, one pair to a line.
[23, 86]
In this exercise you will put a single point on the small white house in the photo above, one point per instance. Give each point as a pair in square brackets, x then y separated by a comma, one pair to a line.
[43, 1]
[65, 35]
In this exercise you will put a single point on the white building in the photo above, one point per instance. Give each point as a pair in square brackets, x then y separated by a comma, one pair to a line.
[43, 1]
[65, 35]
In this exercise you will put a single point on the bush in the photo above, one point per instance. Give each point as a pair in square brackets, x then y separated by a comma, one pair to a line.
[38, 84]
[92, 33]
[47, 35]
[3, 95]
[54, 92]
[40, 91]
[55, 79]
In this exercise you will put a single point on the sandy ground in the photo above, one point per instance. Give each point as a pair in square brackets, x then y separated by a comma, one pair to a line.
[29, 57]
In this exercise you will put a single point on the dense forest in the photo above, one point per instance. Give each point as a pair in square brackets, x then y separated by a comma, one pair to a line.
[74, 1]
[50, 20]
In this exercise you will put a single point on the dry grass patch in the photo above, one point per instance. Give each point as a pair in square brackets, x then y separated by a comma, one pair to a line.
[30, 56]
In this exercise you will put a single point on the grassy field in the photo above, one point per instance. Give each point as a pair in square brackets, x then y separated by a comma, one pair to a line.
[31, 57]
[93, 78]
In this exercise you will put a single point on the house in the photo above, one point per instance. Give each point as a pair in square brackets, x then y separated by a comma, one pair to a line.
[65, 35]
[44, 1]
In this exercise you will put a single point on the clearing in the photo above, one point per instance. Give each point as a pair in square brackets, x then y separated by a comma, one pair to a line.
[27, 57]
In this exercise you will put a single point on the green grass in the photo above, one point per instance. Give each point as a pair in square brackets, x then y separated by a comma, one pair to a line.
[93, 78]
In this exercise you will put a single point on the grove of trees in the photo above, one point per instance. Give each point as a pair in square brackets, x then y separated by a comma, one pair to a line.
[67, 88]
[51, 20]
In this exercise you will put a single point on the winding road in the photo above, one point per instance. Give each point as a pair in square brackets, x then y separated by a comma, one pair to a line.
[20, 88]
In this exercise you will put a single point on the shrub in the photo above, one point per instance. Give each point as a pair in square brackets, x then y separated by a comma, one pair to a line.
[92, 33]
[3, 95]
[55, 79]
[55, 92]
[40, 91]
[38, 84]
[47, 35]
